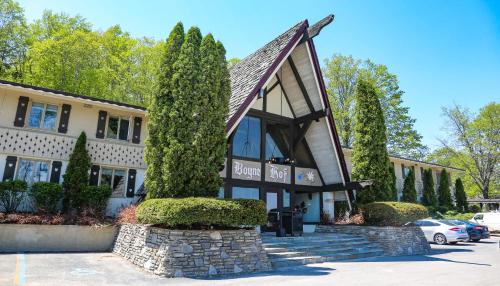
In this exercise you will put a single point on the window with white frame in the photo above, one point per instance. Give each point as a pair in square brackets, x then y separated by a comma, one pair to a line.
[32, 171]
[116, 179]
[118, 128]
[43, 116]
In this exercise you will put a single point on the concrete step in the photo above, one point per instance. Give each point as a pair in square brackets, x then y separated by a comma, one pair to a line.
[303, 260]
[302, 247]
[314, 244]
[320, 252]
[277, 243]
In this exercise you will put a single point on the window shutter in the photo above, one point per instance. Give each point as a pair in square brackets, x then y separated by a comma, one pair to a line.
[63, 121]
[131, 183]
[10, 168]
[55, 173]
[136, 135]
[94, 175]
[101, 124]
[22, 107]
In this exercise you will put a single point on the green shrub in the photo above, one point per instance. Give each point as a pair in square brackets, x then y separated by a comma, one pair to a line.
[475, 209]
[46, 196]
[393, 213]
[12, 194]
[462, 216]
[95, 199]
[76, 177]
[199, 211]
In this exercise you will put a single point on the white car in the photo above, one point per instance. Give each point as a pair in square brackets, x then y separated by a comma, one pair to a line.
[491, 220]
[442, 232]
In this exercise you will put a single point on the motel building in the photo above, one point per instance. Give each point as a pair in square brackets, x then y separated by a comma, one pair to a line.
[283, 144]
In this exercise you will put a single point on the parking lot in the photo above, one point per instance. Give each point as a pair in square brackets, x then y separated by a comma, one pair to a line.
[461, 264]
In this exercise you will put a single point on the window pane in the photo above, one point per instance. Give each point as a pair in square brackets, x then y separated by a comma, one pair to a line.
[41, 172]
[247, 138]
[35, 115]
[119, 184]
[245, 193]
[286, 198]
[49, 121]
[106, 177]
[123, 135]
[112, 127]
[25, 171]
[221, 193]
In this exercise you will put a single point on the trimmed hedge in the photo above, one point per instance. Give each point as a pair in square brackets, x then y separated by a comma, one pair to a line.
[172, 212]
[393, 213]
[12, 193]
[47, 196]
[96, 199]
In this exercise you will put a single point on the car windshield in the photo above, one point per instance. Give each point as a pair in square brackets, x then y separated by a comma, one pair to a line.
[447, 222]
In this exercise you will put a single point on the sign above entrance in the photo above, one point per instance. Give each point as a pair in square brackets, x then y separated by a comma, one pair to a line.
[246, 170]
[307, 177]
[278, 173]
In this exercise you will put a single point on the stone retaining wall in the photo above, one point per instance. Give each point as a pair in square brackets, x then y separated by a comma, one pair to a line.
[395, 241]
[192, 253]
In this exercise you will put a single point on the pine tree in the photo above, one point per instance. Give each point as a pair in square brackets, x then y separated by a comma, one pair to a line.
[370, 159]
[409, 191]
[158, 114]
[393, 187]
[444, 194]
[429, 195]
[182, 171]
[76, 177]
[460, 196]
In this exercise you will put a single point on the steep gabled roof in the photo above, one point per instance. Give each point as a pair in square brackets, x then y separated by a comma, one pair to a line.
[251, 73]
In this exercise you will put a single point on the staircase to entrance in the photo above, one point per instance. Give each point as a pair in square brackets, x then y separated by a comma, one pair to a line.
[316, 248]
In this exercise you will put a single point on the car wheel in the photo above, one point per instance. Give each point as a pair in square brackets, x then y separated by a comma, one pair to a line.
[475, 240]
[440, 239]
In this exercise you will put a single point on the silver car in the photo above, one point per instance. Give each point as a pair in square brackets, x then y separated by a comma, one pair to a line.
[442, 231]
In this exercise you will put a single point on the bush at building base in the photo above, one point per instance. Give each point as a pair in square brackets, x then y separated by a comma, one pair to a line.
[202, 212]
[47, 196]
[393, 213]
[12, 194]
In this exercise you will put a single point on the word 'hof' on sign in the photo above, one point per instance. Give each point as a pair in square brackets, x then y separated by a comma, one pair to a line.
[278, 173]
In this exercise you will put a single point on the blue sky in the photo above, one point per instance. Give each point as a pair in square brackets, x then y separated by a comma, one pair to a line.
[443, 52]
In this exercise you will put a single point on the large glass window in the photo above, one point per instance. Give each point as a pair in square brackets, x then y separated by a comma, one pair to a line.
[246, 142]
[277, 143]
[32, 171]
[117, 128]
[43, 116]
[115, 178]
[245, 193]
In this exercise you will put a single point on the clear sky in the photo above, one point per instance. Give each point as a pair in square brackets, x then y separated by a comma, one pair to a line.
[443, 52]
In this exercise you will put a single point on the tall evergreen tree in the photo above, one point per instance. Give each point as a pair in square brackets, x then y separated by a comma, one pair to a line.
[429, 198]
[444, 193]
[183, 173]
[76, 177]
[393, 187]
[460, 196]
[370, 159]
[159, 111]
[409, 191]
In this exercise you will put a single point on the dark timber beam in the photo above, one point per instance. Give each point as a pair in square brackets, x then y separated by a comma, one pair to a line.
[316, 115]
[301, 84]
[315, 29]
[301, 134]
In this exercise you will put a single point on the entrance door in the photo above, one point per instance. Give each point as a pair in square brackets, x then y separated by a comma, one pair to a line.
[310, 202]
[273, 198]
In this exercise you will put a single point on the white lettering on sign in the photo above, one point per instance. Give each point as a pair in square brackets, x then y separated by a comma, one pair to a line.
[247, 172]
[277, 174]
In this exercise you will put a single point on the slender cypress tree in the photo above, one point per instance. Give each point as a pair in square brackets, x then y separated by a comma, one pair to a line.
[429, 198]
[183, 173]
[370, 159]
[444, 194]
[158, 114]
[393, 187]
[460, 196]
[409, 191]
[76, 177]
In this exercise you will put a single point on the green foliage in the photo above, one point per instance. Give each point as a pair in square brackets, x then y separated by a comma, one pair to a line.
[76, 177]
[96, 199]
[475, 209]
[409, 191]
[232, 61]
[455, 215]
[393, 213]
[342, 74]
[370, 159]
[13, 39]
[393, 186]
[429, 195]
[199, 212]
[159, 112]
[188, 141]
[46, 196]
[444, 193]
[12, 193]
[460, 196]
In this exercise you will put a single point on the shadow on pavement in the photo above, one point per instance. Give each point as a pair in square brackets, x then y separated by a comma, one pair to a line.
[303, 270]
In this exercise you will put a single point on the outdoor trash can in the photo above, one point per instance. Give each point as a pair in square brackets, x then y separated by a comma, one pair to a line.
[285, 221]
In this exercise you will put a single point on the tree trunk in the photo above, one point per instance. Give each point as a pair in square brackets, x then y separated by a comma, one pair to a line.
[485, 191]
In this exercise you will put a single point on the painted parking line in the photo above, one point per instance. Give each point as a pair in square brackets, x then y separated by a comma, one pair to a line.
[20, 274]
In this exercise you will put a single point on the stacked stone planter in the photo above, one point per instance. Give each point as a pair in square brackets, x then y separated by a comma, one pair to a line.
[192, 253]
[395, 241]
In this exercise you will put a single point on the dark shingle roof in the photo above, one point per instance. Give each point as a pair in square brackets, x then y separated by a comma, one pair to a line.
[248, 76]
